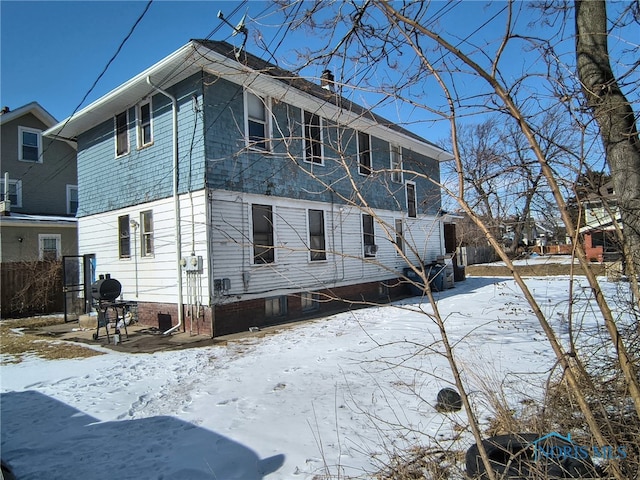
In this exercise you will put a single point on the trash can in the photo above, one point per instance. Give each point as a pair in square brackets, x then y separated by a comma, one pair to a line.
[436, 276]
[416, 287]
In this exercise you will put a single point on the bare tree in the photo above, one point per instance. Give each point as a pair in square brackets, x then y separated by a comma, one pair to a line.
[614, 115]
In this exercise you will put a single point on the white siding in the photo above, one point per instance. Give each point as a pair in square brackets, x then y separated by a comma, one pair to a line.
[292, 271]
[157, 274]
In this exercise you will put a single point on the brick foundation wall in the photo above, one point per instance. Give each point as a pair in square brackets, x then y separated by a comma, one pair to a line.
[240, 316]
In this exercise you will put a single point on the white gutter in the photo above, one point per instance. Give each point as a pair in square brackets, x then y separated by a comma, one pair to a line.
[176, 202]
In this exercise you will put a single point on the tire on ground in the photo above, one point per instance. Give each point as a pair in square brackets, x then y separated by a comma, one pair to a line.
[513, 457]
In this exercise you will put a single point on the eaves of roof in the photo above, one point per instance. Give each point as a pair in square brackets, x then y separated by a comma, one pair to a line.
[219, 58]
[34, 108]
[28, 220]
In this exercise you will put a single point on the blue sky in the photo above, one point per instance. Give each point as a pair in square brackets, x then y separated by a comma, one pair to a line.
[53, 51]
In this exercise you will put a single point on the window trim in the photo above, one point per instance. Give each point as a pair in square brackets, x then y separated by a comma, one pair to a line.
[365, 169]
[271, 257]
[266, 104]
[368, 239]
[117, 133]
[71, 188]
[282, 306]
[21, 145]
[49, 236]
[321, 254]
[140, 124]
[411, 212]
[18, 185]
[309, 302]
[399, 241]
[396, 170]
[124, 236]
[308, 139]
[144, 251]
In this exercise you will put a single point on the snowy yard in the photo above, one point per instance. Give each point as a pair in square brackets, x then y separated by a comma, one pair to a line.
[331, 395]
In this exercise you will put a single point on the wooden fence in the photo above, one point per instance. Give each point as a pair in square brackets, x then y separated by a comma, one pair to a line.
[30, 288]
[475, 255]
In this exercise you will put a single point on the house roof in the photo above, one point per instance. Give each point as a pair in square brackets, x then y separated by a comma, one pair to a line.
[34, 108]
[219, 58]
[27, 220]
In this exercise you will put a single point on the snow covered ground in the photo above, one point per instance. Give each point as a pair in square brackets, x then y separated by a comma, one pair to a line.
[332, 395]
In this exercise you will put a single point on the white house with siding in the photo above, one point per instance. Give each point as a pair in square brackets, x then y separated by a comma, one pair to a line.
[225, 193]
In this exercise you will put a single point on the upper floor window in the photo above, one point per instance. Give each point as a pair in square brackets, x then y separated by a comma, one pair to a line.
[313, 138]
[144, 130]
[122, 133]
[411, 199]
[257, 126]
[15, 192]
[364, 153]
[396, 163]
[263, 241]
[124, 237]
[146, 233]
[72, 199]
[317, 243]
[49, 247]
[368, 236]
[29, 145]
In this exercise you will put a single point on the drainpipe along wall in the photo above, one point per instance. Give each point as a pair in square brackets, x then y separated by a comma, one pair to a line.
[176, 202]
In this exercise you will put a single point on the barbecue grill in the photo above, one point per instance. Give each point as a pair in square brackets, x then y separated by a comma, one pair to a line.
[105, 291]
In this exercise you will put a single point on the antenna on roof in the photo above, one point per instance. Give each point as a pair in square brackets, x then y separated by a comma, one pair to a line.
[239, 28]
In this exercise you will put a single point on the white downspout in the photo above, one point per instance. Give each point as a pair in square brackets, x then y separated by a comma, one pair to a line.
[176, 203]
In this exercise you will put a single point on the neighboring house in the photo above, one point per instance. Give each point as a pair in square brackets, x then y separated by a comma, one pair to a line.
[37, 217]
[218, 190]
[601, 215]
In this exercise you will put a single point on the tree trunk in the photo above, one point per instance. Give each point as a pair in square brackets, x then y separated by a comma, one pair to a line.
[614, 115]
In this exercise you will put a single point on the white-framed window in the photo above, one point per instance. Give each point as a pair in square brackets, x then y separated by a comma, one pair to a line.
[368, 236]
[146, 233]
[412, 203]
[263, 237]
[124, 237]
[275, 306]
[144, 125]
[121, 123]
[29, 145]
[317, 238]
[257, 127]
[15, 192]
[49, 247]
[396, 163]
[364, 153]
[72, 199]
[309, 301]
[313, 147]
[399, 236]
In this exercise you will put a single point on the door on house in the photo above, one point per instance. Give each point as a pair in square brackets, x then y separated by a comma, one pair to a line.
[78, 273]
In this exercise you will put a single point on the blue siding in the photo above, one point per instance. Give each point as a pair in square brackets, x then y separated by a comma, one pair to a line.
[231, 167]
[212, 153]
[107, 182]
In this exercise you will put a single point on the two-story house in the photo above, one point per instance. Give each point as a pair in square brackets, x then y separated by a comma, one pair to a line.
[226, 193]
[38, 188]
[601, 215]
